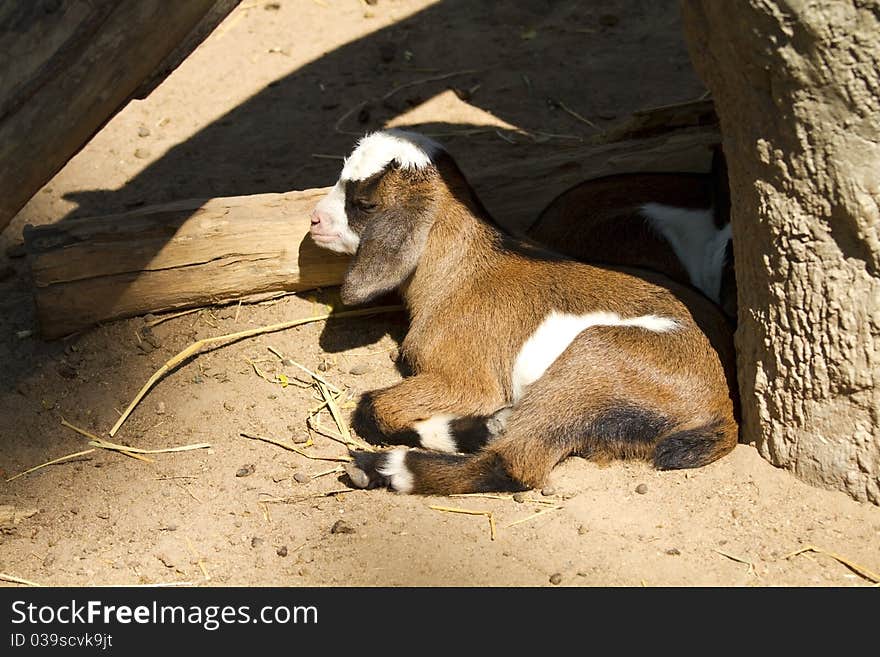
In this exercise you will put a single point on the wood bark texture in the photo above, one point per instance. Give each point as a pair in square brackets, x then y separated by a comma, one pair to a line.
[70, 66]
[796, 85]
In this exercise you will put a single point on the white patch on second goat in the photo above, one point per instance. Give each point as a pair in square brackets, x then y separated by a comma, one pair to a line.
[375, 151]
[558, 330]
[434, 433]
[697, 243]
[395, 470]
[338, 236]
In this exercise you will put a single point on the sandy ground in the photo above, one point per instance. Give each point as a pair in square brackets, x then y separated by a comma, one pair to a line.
[247, 113]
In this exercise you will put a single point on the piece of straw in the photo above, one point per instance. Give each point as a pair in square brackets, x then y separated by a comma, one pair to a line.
[93, 439]
[733, 557]
[470, 512]
[575, 115]
[856, 568]
[60, 459]
[533, 516]
[293, 448]
[303, 498]
[197, 346]
[134, 452]
[435, 78]
[16, 580]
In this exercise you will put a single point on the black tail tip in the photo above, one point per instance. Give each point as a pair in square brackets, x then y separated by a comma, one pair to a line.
[693, 448]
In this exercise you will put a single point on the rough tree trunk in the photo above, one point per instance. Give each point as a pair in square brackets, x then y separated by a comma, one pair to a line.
[797, 87]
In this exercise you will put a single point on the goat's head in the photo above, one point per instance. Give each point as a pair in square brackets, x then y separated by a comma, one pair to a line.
[380, 211]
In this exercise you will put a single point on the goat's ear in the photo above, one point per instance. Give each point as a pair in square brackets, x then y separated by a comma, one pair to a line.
[390, 247]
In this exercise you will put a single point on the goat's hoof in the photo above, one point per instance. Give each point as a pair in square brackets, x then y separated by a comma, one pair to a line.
[359, 478]
[387, 468]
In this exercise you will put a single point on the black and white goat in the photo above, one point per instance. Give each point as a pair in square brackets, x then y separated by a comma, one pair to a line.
[521, 357]
[677, 224]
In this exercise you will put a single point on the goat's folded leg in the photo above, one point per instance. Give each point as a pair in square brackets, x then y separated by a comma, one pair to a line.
[425, 411]
[609, 395]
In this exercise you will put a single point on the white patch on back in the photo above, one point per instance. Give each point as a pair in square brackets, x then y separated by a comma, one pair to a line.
[394, 468]
[434, 433]
[375, 151]
[697, 243]
[558, 330]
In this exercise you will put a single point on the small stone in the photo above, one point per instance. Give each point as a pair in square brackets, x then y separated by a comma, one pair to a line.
[66, 371]
[143, 131]
[48, 560]
[272, 6]
[229, 407]
[160, 408]
[372, 3]
[520, 498]
[256, 542]
[303, 572]
[341, 527]
[166, 560]
[170, 527]
[198, 378]
[282, 551]
[582, 529]
[16, 250]
[299, 439]
[641, 489]
[556, 579]
[324, 365]
[103, 515]
[359, 369]
[674, 552]
[302, 478]
[359, 478]
[287, 362]
[141, 153]
[608, 20]
[146, 333]
[734, 513]
[246, 470]
[548, 491]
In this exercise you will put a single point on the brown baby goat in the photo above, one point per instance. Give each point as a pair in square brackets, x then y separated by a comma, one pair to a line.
[521, 357]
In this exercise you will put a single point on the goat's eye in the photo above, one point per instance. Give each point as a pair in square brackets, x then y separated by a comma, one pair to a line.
[366, 206]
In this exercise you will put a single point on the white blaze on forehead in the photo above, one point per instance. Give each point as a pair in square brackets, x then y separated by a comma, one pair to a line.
[558, 330]
[697, 243]
[375, 151]
[394, 468]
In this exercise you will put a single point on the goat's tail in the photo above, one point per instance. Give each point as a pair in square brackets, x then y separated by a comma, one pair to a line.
[693, 448]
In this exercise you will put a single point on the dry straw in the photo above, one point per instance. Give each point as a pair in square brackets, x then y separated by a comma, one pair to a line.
[199, 345]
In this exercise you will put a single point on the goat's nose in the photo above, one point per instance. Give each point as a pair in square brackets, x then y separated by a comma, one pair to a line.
[319, 217]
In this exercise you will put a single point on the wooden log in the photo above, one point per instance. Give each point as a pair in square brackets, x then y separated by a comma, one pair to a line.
[193, 253]
[76, 64]
[178, 255]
